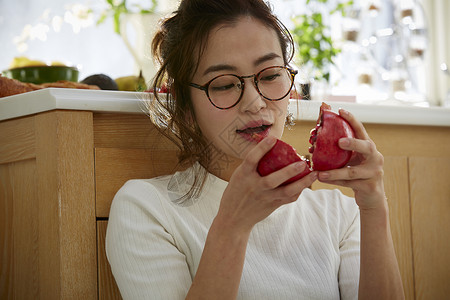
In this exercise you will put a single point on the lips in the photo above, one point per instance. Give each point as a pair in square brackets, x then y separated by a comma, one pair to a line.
[255, 127]
[252, 130]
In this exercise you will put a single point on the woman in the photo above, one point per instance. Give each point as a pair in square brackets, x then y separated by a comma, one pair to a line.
[218, 230]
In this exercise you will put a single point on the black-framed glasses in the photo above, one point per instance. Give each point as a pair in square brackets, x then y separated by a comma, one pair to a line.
[272, 83]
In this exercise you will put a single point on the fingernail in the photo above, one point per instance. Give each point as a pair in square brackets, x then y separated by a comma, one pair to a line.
[324, 175]
[343, 111]
[270, 140]
[300, 165]
[344, 142]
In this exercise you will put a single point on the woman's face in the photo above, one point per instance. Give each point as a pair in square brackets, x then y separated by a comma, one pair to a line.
[242, 48]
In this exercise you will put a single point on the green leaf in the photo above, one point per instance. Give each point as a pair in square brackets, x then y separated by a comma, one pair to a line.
[317, 17]
[313, 37]
[102, 18]
[117, 22]
[155, 3]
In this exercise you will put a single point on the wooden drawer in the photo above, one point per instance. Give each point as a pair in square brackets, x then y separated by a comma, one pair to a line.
[114, 166]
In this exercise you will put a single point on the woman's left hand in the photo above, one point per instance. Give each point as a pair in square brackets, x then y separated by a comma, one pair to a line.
[364, 172]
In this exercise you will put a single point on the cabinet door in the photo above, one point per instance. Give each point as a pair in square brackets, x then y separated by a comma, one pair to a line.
[430, 216]
[107, 287]
[396, 186]
[114, 166]
[47, 217]
[397, 192]
[19, 234]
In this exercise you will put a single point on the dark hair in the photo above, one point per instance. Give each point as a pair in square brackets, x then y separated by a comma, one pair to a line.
[178, 46]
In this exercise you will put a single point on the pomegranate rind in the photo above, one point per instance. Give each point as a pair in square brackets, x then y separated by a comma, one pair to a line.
[325, 150]
[280, 156]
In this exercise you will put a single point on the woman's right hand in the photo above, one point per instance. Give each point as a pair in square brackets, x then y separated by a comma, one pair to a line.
[250, 198]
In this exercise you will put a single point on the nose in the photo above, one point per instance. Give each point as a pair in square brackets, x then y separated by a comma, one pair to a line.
[251, 100]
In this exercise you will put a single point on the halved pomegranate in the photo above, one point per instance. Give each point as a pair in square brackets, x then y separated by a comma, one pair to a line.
[325, 151]
[281, 155]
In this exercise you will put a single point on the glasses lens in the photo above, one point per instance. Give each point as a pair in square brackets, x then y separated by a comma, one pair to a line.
[274, 83]
[224, 91]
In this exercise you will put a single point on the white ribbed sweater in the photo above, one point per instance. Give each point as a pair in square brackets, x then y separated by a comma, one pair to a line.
[308, 249]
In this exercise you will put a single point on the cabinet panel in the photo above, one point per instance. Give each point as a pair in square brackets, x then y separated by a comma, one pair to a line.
[107, 287]
[25, 233]
[397, 191]
[6, 233]
[19, 249]
[113, 167]
[396, 183]
[430, 216]
[66, 204]
[127, 131]
[17, 140]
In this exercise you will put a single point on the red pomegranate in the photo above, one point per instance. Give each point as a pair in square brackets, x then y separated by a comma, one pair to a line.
[281, 155]
[325, 151]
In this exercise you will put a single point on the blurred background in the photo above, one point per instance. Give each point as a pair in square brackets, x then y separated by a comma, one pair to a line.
[369, 51]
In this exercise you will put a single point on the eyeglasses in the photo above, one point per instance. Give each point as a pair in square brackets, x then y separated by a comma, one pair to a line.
[225, 91]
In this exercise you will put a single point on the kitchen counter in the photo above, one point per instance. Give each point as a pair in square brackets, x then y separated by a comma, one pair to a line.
[65, 153]
[130, 102]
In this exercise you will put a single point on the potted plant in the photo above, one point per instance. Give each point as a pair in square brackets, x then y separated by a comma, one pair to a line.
[116, 10]
[315, 49]
[143, 21]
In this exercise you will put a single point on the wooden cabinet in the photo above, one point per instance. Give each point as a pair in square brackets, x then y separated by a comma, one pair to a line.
[417, 172]
[47, 200]
[430, 225]
[60, 169]
[58, 173]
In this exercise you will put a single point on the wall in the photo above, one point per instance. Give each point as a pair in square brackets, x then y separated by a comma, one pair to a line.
[94, 49]
[97, 49]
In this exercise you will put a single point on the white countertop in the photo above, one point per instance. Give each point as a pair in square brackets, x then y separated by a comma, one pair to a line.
[130, 102]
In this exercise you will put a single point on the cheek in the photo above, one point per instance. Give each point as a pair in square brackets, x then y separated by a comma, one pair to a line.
[280, 111]
[201, 109]
[209, 119]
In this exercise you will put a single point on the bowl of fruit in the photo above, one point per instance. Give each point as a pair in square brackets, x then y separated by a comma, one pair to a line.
[38, 72]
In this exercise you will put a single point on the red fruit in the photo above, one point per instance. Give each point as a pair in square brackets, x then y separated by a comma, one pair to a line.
[164, 88]
[281, 155]
[326, 153]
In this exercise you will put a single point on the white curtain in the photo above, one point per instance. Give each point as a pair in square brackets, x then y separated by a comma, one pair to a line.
[438, 84]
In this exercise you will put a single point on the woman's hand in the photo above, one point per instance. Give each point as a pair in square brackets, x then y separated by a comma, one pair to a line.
[250, 198]
[379, 272]
[364, 172]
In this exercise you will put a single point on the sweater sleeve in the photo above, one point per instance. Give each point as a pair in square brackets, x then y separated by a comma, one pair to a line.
[349, 248]
[143, 255]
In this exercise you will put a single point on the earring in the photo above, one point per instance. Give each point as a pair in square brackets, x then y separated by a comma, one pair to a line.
[289, 121]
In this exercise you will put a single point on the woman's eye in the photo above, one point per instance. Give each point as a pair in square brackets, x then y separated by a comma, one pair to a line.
[270, 77]
[219, 88]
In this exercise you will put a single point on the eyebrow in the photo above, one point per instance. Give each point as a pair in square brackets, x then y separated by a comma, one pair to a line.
[220, 67]
[226, 67]
[265, 58]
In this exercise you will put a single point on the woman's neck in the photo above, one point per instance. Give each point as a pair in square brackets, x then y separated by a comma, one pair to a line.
[221, 165]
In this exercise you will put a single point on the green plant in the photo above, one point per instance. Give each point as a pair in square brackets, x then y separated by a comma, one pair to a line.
[117, 8]
[311, 34]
